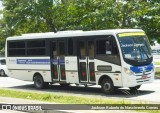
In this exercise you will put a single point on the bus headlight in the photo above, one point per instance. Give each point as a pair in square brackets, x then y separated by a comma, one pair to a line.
[128, 71]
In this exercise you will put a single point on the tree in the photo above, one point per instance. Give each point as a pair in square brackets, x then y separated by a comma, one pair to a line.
[21, 16]
[150, 21]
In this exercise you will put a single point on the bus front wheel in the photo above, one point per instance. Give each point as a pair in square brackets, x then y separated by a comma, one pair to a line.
[107, 86]
[2, 73]
[39, 82]
[135, 88]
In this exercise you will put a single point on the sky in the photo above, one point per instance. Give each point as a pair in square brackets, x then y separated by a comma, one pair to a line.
[0, 3]
[1, 8]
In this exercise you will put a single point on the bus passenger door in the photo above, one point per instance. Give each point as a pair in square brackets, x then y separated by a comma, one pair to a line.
[61, 56]
[86, 61]
[57, 61]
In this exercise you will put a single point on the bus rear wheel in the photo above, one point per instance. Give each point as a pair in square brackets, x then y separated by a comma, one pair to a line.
[107, 86]
[39, 82]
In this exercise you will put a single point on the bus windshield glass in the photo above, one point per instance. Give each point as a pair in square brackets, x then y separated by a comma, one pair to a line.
[135, 48]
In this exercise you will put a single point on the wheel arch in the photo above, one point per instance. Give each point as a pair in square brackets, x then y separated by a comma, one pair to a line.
[35, 74]
[39, 81]
[3, 72]
[104, 77]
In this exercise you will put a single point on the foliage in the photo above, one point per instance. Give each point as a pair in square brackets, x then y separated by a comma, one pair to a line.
[58, 98]
[65, 99]
[157, 71]
[21, 16]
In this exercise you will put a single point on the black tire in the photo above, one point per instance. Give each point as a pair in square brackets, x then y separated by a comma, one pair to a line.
[2, 73]
[135, 88]
[107, 86]
[39, 82]
[138, 86]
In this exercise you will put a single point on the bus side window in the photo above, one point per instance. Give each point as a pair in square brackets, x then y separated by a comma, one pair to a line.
[54, 50]
[82, 49]
[70, 46]
[91, 49]
[114, 48]
[36, 48]
[61, 49]
[107, 50]
[103, 47]
[108, 47]
[16, 48]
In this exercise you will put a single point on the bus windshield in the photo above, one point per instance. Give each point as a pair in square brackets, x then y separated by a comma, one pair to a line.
[135, 48]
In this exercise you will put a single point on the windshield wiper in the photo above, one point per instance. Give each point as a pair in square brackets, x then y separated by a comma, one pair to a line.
[135, 49]
[141, 49]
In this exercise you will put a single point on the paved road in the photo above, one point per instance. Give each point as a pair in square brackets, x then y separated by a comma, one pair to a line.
[148, 92]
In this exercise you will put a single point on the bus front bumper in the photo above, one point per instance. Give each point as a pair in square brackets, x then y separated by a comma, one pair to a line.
[135, 80]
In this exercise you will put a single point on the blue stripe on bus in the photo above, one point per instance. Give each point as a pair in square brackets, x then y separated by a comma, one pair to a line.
[61, 61]
[34, 61]
[55, 61]
[140, 69]
[40, 61]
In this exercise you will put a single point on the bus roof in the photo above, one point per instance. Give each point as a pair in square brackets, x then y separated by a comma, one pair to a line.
[71, 34]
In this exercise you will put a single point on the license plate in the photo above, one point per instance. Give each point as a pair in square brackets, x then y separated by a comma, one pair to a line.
[144, 77]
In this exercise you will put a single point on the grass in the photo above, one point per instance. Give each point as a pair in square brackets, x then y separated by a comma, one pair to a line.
[157, 73]
[156, 63]
[55, 98]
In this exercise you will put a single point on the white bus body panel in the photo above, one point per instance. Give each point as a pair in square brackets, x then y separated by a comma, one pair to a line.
[71, 68]
[25, 68]
[21, 67]
[116, 77]
[136, 78]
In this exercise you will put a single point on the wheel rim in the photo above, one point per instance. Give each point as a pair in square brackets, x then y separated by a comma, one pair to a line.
[38, 82]
[2, 73]
[107, 86]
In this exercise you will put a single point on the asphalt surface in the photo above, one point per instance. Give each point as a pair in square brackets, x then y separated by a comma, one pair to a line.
[148, 93]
